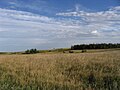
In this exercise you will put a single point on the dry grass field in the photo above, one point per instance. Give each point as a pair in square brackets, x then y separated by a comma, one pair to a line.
[60, 71]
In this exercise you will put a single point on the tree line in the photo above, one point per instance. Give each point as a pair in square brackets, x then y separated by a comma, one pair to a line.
[95, 46]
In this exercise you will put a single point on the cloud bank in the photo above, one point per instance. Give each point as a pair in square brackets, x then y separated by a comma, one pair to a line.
[20, 30]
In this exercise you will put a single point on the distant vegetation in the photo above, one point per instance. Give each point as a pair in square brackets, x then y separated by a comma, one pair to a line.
[83, 48]
[31, 51]
[95, 46]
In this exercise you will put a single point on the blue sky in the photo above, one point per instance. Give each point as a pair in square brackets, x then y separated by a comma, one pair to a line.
[47, 24]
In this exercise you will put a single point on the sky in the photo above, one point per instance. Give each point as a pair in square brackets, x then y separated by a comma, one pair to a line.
[47, 24]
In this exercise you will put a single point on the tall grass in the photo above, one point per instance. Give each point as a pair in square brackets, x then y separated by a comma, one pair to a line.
[85, 71]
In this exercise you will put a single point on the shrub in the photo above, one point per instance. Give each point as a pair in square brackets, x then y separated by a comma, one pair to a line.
[84, 50]
[71, 51]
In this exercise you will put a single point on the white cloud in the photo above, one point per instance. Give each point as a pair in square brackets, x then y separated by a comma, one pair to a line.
[77, 6]
[12, 3]
[94, 32]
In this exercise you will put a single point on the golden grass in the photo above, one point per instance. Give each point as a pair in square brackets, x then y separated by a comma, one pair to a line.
[80, 71]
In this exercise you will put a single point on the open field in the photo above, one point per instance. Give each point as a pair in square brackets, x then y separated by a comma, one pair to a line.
[61, 71]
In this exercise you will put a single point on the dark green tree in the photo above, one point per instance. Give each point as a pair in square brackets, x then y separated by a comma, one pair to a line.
[31, 51]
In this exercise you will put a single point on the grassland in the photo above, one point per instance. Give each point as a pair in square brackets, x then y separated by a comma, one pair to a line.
[61, 71]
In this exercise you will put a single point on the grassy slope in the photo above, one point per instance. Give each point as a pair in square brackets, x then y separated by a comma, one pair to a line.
[61, 71]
